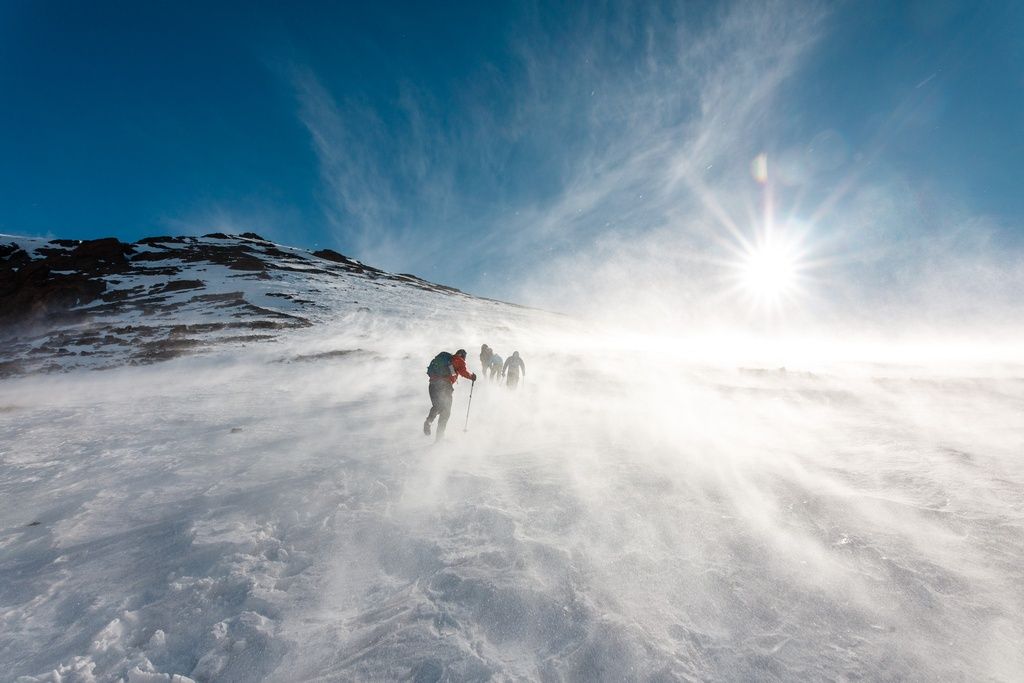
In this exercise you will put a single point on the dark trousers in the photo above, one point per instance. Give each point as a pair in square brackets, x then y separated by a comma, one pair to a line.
[513, 379]
[440, 403]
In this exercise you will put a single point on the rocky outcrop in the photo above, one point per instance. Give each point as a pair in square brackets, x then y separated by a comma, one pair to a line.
[100, 303]
[67, 275]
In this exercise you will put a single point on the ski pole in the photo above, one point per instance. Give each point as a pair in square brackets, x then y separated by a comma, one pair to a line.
[469, 405]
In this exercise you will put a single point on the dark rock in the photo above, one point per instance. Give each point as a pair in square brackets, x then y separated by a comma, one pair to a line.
[157, 255]
[428, 286]
[275, 253]
[331, 255]
[252, 236]
[63, 279]
[198, 328]
[177, 286]
[233, 297]
[138, 330]
[86, 339]
[114, 295]
[13, 254]
[246, 263]
[329, 355]
[217, 235]
[350, 265]
[34, 292]
[157, 241]
[267, 325]
[99, 257]
[246, 338]
[166, 349]
[261, 275]
[11, 368]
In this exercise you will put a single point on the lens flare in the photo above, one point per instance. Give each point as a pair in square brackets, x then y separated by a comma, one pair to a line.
[768, 273]
[759, 168]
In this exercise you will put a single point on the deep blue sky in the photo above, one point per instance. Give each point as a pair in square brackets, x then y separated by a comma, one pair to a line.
[482, 146]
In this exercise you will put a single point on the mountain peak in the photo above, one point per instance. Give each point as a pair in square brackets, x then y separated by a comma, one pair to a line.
[103, 302]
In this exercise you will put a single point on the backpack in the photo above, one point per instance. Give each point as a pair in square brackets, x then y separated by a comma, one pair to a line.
[441, 366]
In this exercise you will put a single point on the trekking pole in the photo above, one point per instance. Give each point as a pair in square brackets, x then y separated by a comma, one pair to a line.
[469, 405]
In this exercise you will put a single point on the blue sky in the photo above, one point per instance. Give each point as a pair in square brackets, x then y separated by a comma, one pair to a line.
[538, 152]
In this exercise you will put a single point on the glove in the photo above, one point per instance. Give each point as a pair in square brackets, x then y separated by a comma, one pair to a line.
[474, 377]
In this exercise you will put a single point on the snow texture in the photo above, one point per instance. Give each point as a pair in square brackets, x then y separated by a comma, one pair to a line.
[274, 512]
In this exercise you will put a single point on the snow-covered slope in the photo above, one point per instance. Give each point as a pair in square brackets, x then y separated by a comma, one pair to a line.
[67, 304]
[272, 511]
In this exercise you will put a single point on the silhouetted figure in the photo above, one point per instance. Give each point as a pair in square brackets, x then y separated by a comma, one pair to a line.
[513, 367]
[486, 352]
[495, 367]
[443, 371]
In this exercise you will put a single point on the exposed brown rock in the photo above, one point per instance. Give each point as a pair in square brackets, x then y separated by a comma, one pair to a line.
[67, 276]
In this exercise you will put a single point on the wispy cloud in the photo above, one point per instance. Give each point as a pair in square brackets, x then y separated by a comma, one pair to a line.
[665, 181]
[386, 185]
[605, 166]
[613, 105]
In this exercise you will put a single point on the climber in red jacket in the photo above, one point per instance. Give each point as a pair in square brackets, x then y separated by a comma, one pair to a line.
[443, 371]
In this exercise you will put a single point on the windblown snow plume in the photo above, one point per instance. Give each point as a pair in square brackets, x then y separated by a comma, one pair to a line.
[270, 510]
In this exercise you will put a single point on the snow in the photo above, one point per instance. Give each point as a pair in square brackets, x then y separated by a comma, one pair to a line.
[295, 290]
[273, 512]
[30, 244]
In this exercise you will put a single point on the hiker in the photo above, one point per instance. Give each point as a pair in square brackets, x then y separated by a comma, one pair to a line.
[485, 357]
[443, 371]
[495, 367]
[513, 366]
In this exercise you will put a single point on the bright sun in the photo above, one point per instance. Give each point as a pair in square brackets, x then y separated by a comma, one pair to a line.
[768, 273]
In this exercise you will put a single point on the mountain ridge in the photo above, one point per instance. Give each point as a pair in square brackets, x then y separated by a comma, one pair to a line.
[100, 303]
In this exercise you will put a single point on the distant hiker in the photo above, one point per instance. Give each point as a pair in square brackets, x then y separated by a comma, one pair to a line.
[513, 366]
[495, 366]
[443, 371]
[485, 357]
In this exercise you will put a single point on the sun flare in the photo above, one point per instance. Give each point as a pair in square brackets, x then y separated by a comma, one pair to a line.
[768, 273]
[769, 270]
